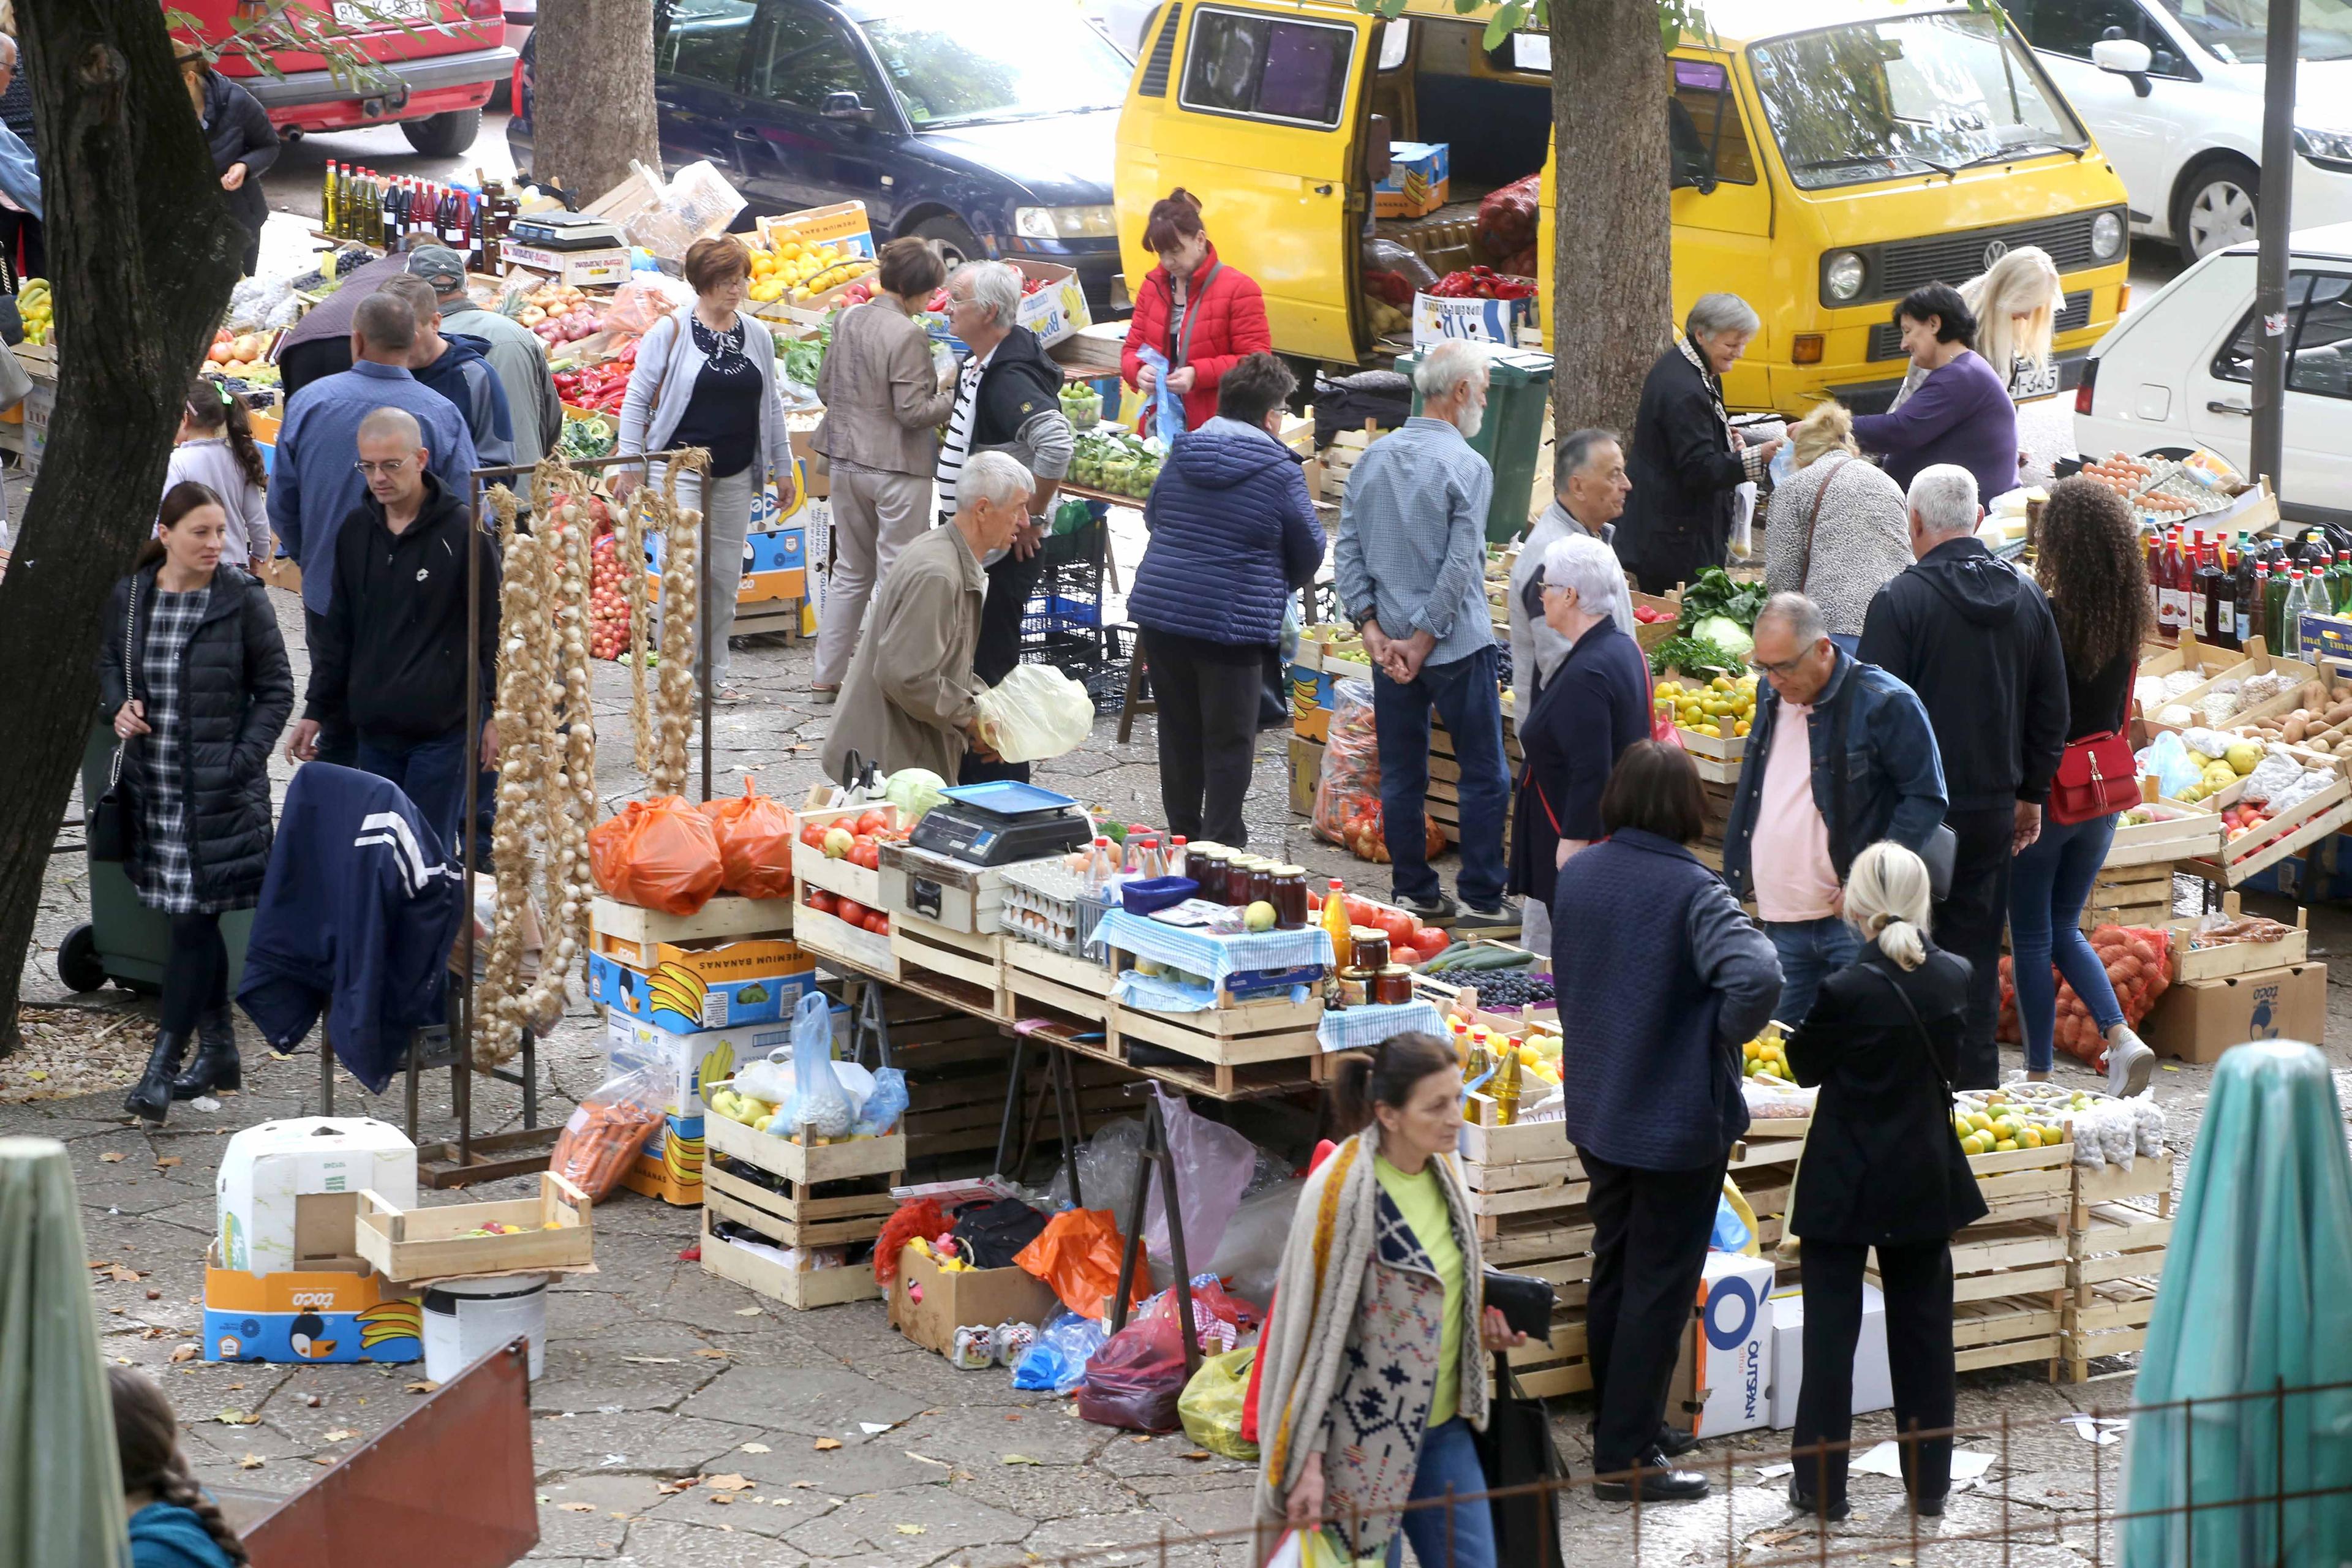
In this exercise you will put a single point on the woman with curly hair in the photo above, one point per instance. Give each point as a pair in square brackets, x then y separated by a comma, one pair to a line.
[172, 1523]
[2087, 559]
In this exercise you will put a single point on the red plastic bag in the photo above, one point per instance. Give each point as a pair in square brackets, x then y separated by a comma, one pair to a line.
[658, 854]
[1135, 1379]
[755, 844]
[1507, 218]
[1077, 1254]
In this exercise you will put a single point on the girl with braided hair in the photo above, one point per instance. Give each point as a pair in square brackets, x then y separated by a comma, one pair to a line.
[172, 1523]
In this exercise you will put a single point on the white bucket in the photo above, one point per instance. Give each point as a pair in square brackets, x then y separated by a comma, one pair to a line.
[465, 1320]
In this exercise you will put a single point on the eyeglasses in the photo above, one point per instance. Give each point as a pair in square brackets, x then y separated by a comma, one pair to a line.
[1780, 667]
[388, 468]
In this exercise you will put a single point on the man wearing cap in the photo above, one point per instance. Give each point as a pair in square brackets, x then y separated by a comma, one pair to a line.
[514, 350]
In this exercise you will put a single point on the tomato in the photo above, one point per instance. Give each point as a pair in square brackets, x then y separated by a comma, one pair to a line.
[868, 854]
[1400, 927]
[820, 900]
[878, 923]
[1359, 911]
[870, 822]
[850, 909]
[1422, 952]
[1433, 939]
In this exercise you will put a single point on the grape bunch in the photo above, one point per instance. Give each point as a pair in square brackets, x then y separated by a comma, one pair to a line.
[1510, 989]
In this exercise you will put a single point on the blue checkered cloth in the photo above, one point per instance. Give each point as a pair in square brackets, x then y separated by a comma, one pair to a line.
[1207, 953]
[1361, 1029]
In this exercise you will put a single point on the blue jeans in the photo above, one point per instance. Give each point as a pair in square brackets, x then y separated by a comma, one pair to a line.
[1466, 697]
[1810, 951]
[1449, 1458]
[2048, 886]
[432, 774]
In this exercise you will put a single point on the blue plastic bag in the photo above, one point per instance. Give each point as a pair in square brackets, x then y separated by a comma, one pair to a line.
[885, 1105]
[1057, 1362]
[1731, 1232]
[1168, 422]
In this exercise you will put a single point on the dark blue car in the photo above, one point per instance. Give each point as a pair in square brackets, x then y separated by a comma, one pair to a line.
[987, 127]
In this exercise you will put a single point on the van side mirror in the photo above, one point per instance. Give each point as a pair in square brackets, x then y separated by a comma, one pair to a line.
[846, 106]
[2125, 58]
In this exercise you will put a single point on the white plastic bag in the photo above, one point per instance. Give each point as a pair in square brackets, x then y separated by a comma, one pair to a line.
[1743, 521]
[1035, 712]
[820, 1106]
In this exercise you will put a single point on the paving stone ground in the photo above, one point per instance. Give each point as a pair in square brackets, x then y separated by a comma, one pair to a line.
[655, 1375]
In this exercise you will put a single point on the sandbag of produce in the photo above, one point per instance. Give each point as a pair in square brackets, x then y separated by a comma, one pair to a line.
[755, 844]
[658, 854]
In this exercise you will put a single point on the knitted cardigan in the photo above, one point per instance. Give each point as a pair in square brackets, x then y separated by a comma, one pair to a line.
[1350, 1358]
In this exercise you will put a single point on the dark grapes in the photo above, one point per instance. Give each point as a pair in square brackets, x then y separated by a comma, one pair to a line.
[1511, 989]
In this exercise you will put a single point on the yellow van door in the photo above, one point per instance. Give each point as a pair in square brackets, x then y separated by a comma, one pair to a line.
[1722, 207]
[1254, 109]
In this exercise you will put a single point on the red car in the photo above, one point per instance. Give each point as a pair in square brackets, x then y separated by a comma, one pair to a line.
[440, 61]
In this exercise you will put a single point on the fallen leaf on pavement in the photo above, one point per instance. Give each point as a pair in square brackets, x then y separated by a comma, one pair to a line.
[114, 1158]
[123, 1276]
[1022, 1460]
[236, 1417]
[422, 1386]
[250, 1462]
[810, 1486]
[755, 1447]
[1145, 1437]
[185, 1353]
[165, 1162]
[650, 1359]
[747, 1311]
[730, 1482]
[341, 1435]
[825, 1445]
[577, 1506]
[1198, 1453]
[713, 1355]
[912, 1529]
[722, 1497]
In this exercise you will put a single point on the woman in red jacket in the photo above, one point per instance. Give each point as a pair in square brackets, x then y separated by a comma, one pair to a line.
[1201, 316]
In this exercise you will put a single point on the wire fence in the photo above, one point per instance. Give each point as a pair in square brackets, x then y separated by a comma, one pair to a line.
[2256, 1479]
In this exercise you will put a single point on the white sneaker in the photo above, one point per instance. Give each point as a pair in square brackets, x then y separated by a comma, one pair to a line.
[2130, 1063]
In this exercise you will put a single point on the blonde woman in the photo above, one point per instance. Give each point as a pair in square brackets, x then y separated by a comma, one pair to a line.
[1883, 1170]
[1839, 525]
[2016, 300]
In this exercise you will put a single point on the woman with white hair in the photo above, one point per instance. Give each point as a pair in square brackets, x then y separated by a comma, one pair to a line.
[1594, 706]
[2016, 301]
[1883, 1170]
[1687, 462]
[1840, 529]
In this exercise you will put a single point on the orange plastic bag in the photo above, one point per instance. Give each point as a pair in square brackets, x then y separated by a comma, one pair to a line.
[755, 844]
[1077, 1255]
[659, 854]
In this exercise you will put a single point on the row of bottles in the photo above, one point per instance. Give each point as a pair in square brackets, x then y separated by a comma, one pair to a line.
[395, 213]
[1141, 857]
[2227, 594]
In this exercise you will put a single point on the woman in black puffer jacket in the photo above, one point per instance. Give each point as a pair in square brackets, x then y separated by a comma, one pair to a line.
[194, 676]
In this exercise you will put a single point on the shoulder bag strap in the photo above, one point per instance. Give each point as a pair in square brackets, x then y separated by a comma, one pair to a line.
[1927, 1046]
[1184, 344]
[1839, 707]
[130, 630]
[1813, 519]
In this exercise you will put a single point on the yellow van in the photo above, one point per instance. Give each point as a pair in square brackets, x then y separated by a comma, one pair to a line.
[1829, 156]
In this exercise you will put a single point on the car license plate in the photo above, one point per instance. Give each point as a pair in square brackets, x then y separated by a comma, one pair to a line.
[380, 13]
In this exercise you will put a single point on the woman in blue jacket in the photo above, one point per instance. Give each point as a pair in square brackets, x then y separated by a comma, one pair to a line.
[1232, 533]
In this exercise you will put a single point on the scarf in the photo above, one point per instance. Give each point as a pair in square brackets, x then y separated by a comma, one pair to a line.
[1712, 382]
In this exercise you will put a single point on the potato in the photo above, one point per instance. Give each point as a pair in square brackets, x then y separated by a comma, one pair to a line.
[2340, 712]
[2292, 731]
[2310, 694]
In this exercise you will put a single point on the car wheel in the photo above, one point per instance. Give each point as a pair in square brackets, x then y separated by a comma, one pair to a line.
[444, 135]
[2218, 205]
[78, 964]
[957, 243]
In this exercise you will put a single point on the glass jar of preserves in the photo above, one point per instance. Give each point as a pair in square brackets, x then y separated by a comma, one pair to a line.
[1260, 889]
[1290, 899]
[1392, 984]
[1355, 986]
[1205, 864]
[1370, 945]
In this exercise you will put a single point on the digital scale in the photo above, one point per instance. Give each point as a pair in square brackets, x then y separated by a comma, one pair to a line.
[566, 231]
[997, 824]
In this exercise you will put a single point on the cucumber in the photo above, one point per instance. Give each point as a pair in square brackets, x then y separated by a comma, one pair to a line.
[1475, 958]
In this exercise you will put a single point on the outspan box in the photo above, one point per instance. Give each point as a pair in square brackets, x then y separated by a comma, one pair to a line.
[2198, 1020]
[342, 1312]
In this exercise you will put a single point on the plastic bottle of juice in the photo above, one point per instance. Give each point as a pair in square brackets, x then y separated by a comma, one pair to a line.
[2298, 604]
[1335, 921]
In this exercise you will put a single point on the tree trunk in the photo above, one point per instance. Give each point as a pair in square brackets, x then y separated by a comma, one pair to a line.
[593, 94]
[143, 253]
[1612, 295]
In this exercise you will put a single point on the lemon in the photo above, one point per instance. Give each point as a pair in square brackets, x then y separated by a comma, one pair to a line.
[2006, 1145]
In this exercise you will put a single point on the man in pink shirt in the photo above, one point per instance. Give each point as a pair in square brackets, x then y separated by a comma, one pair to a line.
[1841, 755]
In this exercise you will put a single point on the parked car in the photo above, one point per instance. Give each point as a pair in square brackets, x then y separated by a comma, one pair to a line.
[2173, 89]
[988, 128]
[2177, 373]
[438, 63]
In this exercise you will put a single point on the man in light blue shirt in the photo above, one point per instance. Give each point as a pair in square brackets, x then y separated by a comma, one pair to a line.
[314, 479]
[1411, 565]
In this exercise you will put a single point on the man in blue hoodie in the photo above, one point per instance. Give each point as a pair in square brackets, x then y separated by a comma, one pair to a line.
[1232, 533]
[458, 368]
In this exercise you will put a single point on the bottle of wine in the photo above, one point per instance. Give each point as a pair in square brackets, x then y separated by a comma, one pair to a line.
[2249, 598]
[2214, 607]
[2198, 583]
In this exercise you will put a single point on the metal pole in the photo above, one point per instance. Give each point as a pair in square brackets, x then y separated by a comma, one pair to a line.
[2274, 221]
[462, 1086]
[702, 623]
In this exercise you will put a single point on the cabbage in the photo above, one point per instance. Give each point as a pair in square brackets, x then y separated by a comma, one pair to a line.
[914, 791]
[1726, 634]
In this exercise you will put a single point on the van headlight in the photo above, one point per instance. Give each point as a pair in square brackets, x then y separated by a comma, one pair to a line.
[1843, 274]
[1064, 223]
[2106, 236]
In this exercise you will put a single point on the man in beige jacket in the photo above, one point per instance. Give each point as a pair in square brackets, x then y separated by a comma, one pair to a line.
[909, 698]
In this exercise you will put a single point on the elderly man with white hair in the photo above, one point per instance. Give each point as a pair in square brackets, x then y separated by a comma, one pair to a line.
[910, 697]
[1975, 638]
[1008, 399]
[1411, 566]
[1687, 462]
[1594, 704]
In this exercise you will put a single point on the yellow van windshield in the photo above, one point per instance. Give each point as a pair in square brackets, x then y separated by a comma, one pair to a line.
[1909, 95]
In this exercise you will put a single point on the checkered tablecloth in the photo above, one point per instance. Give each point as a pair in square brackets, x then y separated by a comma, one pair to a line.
[1208, 953]
[1360, 1028]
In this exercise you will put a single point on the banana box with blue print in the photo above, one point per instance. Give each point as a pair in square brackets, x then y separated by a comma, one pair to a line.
[670, 1165]
[774, 567]
[346, 1312]
[1053, 302]
[693, 986]
[1723, 1379]
[1420, 179]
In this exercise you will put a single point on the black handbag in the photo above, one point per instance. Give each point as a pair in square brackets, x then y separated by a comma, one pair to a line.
[1517, 1450]
[1524, 1300]
[109, 834]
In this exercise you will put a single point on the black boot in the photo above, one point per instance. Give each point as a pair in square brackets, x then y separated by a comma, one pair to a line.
[153, 1096]
[216, 1064]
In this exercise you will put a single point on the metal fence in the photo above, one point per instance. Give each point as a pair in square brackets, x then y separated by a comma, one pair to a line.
[2274, 1488]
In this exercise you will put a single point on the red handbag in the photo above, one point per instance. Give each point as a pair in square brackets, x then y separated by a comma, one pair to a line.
[2096, 777]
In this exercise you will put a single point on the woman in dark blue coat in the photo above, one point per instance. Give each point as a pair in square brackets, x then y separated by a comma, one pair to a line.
[1232, 533]
[1592, 706]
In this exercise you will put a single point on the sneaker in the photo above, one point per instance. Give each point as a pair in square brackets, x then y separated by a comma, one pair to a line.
[1439, 910]
[2130, 1062]
[1474, 919]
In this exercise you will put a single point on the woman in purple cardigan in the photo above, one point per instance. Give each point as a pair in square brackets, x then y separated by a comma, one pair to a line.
[1961, 412]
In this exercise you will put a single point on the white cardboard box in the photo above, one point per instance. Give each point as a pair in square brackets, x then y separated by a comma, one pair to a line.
[1723, 1378]
[602, 267]
[685, 1061]
[267, 1172]
[1873, 1381]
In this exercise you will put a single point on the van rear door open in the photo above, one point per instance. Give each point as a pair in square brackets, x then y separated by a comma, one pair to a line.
[1254, 108]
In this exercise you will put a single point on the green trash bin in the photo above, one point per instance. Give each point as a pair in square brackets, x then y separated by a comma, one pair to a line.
[1519, 388]
[126, 941]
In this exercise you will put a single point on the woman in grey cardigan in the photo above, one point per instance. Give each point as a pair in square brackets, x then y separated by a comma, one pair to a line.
[1840, 527]
[883, 407]
[707, 377]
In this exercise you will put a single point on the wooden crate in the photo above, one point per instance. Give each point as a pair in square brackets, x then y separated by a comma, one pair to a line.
[926, 948]
[801, 1289]
[2025, 1183]
[431, 1243]
[1072, 985]
[632, 934]
[804, 1164]
[2297, 828]
[2254, 661]
[2137, 895]
[2176, 833]
[1559, 1364]
[1248, 1033]
[807, 1215]
[2009, 1330]
[2237, 957]
[810, 867]
[2009, 1257]
[832, 938]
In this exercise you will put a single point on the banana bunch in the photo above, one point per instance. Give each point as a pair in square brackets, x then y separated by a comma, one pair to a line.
[682, 1157]
[38, 311]
[389, 1320]
[718, 1066]
[682, 990]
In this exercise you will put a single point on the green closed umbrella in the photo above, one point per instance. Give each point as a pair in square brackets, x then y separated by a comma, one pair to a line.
[2256, 1300]
[60, 1489]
